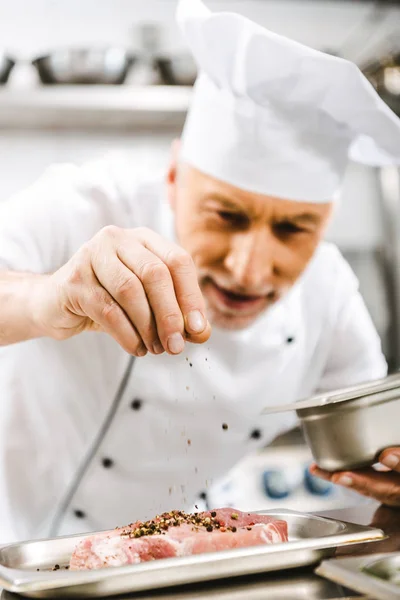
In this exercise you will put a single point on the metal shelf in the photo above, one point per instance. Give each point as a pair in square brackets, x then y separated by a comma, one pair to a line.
[65, 107]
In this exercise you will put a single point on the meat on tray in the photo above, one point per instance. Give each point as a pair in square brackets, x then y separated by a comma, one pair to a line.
[177, 534]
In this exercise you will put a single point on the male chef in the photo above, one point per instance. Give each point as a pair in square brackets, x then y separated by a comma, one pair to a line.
[146, 324]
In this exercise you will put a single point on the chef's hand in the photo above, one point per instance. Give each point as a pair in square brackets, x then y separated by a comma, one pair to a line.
[131, 283]
[383, 486]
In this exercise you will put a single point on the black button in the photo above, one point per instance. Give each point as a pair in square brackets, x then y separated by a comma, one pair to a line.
[256, 434]
[107, 463]
[203, 495]
[79, 514]
[290, 340]
[136, 404]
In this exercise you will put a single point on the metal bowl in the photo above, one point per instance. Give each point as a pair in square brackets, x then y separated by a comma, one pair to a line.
[176, 70]
[6, 66]
[107, 66]
[350, 428]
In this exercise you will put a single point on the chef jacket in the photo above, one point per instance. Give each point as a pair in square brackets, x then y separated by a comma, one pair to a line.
[92, 438]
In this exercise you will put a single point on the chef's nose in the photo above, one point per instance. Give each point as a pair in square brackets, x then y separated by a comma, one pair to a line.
[251, 259]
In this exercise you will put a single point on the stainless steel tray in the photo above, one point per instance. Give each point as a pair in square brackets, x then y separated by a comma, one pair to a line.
[311, 539]
[387, 388]
[372, 575]
[292, 585]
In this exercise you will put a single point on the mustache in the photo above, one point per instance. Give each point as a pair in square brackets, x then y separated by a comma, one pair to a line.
[228, 286]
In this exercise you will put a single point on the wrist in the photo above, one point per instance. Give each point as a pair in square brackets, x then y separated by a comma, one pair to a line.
[36, 295]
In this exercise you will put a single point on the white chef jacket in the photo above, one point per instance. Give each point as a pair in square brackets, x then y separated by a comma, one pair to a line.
[91, 438]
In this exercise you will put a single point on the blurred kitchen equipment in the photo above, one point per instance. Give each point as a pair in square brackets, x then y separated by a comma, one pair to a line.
[348, 429]
[368, 34]
[378, 575]
[147, 38]
[6, 66]
[385, 77]
[169, 69]
[176, 70]
[107, 66]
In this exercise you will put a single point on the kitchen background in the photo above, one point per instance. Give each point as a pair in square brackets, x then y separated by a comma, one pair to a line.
[41, 124]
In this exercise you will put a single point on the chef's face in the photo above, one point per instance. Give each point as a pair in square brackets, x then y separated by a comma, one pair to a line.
[249, 249]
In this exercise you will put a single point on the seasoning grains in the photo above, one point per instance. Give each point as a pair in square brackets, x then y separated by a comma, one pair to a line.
[224, 426]
[175, 518]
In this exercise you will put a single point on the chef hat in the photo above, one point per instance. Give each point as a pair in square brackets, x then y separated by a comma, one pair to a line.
[272, 116]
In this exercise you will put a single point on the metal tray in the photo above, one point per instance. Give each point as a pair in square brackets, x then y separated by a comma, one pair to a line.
[389, 386]
[366, 574]
[292, 585]
[311, 539]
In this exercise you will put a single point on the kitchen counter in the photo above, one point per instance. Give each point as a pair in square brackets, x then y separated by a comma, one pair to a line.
[299, 584]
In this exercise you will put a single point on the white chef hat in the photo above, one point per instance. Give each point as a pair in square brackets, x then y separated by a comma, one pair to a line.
[272, 116]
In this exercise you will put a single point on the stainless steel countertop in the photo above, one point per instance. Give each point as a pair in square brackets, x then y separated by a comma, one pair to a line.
[300, 584]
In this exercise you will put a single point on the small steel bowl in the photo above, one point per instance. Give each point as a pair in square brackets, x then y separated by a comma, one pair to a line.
[6, 66]
[176, 70]
[350, 428]
[107, 66]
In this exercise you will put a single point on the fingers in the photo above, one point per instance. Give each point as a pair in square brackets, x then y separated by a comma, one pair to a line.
[185, 281]
[127, 290]
[391, 459]
[139, 288]
[108, 316]
[155, 277]
[383, 486]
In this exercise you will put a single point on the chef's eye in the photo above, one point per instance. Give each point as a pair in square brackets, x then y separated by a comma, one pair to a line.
[234, 219]
[287, 228]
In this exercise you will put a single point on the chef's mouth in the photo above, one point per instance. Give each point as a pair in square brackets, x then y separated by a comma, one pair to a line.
[238, 301]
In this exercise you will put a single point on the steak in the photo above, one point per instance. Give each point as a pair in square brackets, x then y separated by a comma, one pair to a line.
[177, 534]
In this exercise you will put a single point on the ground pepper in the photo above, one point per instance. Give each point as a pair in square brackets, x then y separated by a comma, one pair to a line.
[175, 518]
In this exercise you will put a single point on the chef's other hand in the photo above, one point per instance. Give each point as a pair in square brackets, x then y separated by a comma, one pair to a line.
[130, 283]
[383, 486]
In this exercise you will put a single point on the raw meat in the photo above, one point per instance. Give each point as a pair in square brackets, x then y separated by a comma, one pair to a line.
[177, 534]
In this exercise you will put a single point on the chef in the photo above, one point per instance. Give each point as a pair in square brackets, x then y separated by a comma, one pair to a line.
[145, 324]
